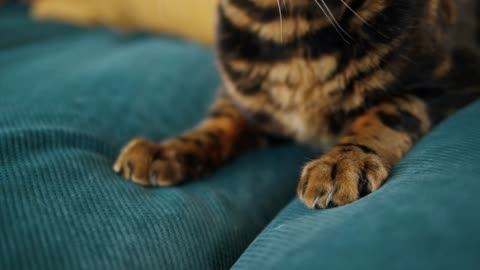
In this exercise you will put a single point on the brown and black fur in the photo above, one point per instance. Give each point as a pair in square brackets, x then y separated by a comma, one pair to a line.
[368, 87]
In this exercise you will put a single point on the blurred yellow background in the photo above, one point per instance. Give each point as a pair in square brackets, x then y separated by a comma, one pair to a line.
[192, 19]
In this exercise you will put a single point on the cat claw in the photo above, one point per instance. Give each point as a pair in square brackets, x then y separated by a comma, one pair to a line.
[327, 201]
[314, 205]
[330, 197]
[153, 179]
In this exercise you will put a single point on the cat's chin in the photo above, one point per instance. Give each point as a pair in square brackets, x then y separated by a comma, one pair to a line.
[271, 3]
[333, 5]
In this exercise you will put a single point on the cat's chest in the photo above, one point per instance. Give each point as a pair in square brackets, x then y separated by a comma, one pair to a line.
[293, 95]
[286, 83]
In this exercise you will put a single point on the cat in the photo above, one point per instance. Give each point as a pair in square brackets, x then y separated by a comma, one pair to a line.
[366, 78]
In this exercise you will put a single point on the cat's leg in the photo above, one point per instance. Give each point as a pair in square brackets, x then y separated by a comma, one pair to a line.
[361, 161]
[222, 135]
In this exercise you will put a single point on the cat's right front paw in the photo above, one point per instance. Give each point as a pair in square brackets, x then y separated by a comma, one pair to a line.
[151, 164]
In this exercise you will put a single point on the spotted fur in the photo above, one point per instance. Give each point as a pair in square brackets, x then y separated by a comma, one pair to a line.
[366, 77]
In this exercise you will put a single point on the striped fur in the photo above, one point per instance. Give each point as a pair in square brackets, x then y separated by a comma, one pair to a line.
[369, 79]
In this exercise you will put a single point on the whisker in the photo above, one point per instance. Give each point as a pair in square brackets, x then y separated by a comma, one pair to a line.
[331, 22]
[336, 22]
[361, 18]
[281, 19]
[354, 12]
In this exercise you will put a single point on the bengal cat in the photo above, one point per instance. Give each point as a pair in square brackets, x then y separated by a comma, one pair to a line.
[366, 78]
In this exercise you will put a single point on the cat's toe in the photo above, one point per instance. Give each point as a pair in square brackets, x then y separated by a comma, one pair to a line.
[341, 176]
[135, 160]
[165, 173]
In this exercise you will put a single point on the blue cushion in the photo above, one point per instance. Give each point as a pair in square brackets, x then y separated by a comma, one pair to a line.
[69, 100]
[426, 217]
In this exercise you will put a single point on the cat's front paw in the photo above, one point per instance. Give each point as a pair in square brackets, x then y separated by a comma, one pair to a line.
[166, 164]
[343, 175]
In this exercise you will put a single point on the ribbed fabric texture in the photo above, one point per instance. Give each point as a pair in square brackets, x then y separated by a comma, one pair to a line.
[69, 100]
[426, 217]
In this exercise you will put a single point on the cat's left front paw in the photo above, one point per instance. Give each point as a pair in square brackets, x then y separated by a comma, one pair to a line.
[343, 175]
